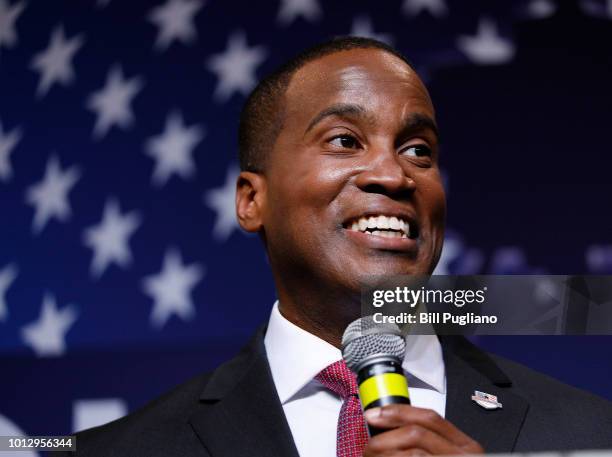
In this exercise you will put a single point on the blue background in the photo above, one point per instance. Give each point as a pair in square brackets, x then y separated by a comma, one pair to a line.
[524, 150]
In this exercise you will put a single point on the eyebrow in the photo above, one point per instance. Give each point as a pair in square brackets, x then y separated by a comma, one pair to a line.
[415, 122]
[339, 110]
[418, 122]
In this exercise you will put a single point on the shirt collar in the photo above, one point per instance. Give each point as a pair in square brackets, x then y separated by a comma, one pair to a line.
[423, 360]
[297, 356]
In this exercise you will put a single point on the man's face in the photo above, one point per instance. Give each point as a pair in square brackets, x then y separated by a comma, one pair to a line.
[353, 185]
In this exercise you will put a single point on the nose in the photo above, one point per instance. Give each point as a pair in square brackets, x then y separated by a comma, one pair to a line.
[385, 174]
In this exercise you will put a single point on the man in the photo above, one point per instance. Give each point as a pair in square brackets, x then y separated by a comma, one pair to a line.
[340, 178]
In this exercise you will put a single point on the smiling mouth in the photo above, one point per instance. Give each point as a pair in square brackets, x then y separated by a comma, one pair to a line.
[383, 226]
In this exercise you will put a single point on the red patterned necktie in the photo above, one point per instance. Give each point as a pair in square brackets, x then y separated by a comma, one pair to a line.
[352, 434]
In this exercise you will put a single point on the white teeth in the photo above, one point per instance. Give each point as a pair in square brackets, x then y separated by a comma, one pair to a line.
[389, 234]
[388, 226]
[383, 222]
[363, 224]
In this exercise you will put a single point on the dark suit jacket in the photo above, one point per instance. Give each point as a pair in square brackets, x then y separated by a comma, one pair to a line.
[235, 411]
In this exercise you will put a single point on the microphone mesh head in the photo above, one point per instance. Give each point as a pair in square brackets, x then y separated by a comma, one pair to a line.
[364, 338]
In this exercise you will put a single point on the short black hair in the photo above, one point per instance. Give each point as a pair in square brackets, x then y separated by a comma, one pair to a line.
[262, 116]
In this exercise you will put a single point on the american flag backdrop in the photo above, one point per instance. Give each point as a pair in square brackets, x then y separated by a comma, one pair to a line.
[122, 268]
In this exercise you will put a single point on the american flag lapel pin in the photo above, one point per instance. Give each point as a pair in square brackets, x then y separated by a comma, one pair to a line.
[487, 401]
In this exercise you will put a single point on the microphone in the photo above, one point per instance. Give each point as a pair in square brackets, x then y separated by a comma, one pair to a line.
[374, 352]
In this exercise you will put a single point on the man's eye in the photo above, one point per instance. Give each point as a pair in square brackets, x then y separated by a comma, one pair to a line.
[417, 150]
[345, 141]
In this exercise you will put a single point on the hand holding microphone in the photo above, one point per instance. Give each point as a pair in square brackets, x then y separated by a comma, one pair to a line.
[374, 352]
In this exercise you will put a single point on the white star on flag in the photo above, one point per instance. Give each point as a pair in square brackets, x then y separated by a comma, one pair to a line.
[436, 8]
[175, 20]
[8, 18]
[487, 46]
[8, 142]
[222, 200]
[109, 239]
[172, 150]
[362, 27]
[112, 103]
[46, 336]
[539, 9]
[7, 276]
[290, 10]
[55, 63]
[235, 68]
[171, 289]
[50, 196]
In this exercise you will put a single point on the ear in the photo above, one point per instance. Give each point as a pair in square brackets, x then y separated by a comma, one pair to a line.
[250, 200]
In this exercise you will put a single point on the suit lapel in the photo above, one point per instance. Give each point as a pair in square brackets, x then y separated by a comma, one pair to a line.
[239, 412]
[469, 369]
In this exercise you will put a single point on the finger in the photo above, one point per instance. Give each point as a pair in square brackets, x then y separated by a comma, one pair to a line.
[411, 438]
[393, 416]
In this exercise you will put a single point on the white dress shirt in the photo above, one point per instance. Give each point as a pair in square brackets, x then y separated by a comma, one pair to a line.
[297, 356]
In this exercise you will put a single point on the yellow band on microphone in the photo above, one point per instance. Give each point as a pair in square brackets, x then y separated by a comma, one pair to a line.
[381, 386]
